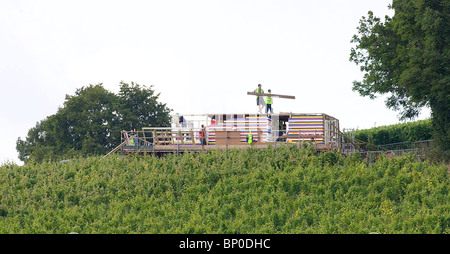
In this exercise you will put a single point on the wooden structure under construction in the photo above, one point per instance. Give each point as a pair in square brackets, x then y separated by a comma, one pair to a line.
[226, 131]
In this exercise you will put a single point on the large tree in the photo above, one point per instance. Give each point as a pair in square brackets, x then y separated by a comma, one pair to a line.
[90, 122]
[140, 108]
[407, 57]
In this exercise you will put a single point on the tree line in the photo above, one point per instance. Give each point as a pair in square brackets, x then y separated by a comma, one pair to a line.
[407, 57]
[402, 132]
[90, 122]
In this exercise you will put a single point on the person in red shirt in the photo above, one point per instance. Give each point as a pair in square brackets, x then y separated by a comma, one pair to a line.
[203, 136]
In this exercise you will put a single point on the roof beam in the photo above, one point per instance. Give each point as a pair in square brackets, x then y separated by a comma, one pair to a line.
[272, 95]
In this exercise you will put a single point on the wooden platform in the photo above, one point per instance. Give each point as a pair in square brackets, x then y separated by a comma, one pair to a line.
[229, 131]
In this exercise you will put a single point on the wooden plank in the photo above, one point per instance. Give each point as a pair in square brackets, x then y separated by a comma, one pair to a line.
[114, 150]
[272, 95]
[155, 138]
[228, 138]
[191, 133]
[127, 138]
[180, 137]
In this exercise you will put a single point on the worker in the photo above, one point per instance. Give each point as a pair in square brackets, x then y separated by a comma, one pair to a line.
[250, 138]
[269, 103]
[203, 136]
[182, 121]
[259, 99]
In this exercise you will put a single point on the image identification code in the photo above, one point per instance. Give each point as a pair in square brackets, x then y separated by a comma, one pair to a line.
[226, 244]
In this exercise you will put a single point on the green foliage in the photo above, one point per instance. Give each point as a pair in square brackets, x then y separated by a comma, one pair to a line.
[90, 123]
[139, 107]
[407, 57]
[276, 190]
[402, 132]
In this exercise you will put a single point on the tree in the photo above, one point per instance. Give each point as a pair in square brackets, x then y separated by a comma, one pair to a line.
[407, 57]
[90, 122]
[140, 107]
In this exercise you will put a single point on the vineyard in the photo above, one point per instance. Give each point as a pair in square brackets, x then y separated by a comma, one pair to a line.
[275, 190]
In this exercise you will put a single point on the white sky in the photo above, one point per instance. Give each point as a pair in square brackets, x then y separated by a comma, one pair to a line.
[201, 55]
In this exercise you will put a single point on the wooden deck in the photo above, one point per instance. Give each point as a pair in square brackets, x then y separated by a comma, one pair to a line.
[229, 131]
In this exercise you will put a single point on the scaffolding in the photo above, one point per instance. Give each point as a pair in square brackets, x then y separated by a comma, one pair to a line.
[230, 130]
[227, 131]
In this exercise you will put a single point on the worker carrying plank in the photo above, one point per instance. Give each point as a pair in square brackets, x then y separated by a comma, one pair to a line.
[259, 99]
[259, 92]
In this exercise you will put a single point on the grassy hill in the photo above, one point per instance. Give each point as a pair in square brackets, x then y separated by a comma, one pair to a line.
[278, 190]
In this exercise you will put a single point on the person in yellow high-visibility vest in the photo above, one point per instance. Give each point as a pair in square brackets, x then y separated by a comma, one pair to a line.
[134, 141]
[269, 103]
[250, 138]
[259, 99]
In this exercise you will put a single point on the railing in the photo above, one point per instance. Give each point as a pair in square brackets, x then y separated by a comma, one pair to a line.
[149, 138]
[418, 149]
[424, 144]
